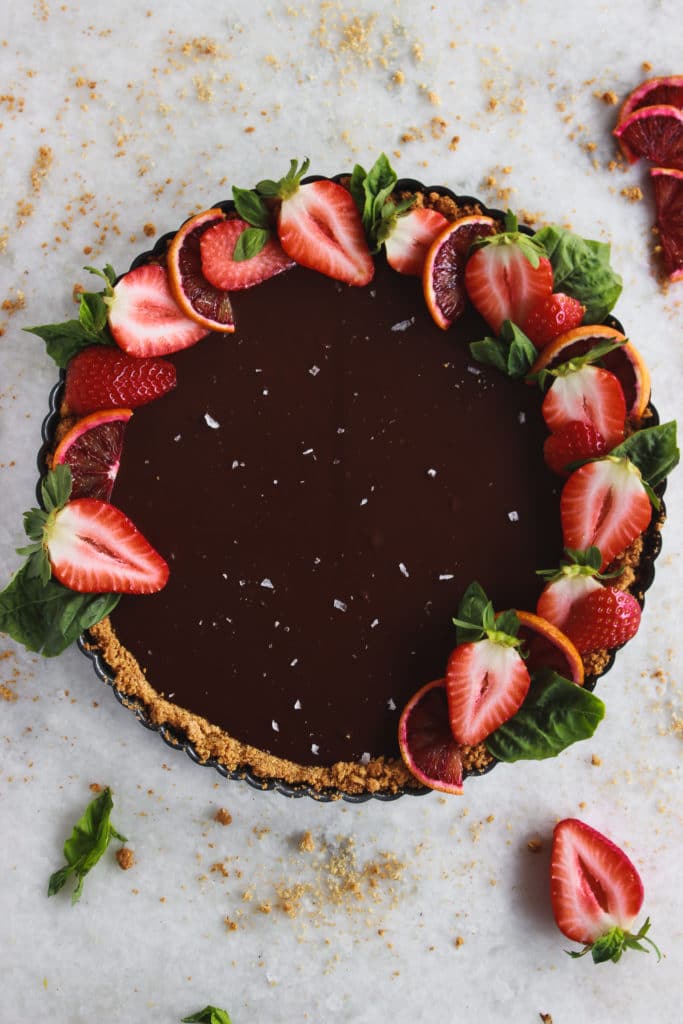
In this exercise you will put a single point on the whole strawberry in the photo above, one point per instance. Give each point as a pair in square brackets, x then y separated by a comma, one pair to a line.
[103, 377]
[573, 442]
[551, 316]
[604, 618]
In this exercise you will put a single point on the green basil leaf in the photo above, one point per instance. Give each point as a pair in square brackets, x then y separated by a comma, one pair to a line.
[581, 268]
[92, 313]
[209, 1015]
[86, 845]
[555, 714]
[55, 487]
[251, 207]
[371, 191]
[471, 612]
[511, 352]
[250, 243]
[64, 341]
[45, 616]
[653, 450]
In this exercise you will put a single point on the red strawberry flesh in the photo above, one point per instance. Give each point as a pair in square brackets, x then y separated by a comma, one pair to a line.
[485, 682]
[145, 319]
[413, 233]
[551, 316]
[503, 284]
[573, 442]
[594, 885]
[590, 395]
[604, 618]
[103, 377]
[319, 227]
[216, 247]
[94, 548]
[558, 598]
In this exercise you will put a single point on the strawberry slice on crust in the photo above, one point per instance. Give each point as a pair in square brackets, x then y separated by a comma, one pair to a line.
[94, 548]
[103, 377]
[486, 683]
[411, 236]
[603, 619]
[145, 319]
[604, 504]
[596, 892]
[319, 227]
[589, 395]
[217, 246]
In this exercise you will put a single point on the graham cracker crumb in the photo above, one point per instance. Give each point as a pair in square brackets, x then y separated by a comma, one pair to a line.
[223, 817]
[126, 858]
[595, 760]
[535, 845]
[95, 787]
[633, 193]
[609, 98]
[307, 843]
[149, 229]
[459, 941]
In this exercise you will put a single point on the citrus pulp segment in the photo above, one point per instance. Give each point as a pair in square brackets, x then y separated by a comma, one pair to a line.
[443, 276]
[668, 188]
[198, 299]
[92, 451]
[426, 742]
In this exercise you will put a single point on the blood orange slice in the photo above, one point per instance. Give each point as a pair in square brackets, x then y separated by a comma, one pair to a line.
[548, 647]
[426, 741]
[92, 451]
[656, 133]
[653, 92]
[625, 362]
[668, 188]
[443, 276]
[198, 299]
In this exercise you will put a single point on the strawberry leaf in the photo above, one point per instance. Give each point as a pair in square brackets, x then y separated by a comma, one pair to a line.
[55, 488]
[653, 450]
[471, 613]
[63, 341]
[581, 268]
[512, 352]
[88, 841]
[555, 714]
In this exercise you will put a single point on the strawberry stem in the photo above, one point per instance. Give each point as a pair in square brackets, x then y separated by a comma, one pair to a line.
[613, 944]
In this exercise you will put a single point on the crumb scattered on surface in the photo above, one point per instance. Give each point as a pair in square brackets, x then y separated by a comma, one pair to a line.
[126, 858]
[535, 845]
[307, 843]
[223, 816]
[633, 193]
[595, 760]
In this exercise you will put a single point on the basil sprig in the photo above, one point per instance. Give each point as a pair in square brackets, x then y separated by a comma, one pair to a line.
[511, 352]
[87, 844]
[65, 340]
[581, 268]
[372, 191]
[653, 450]
[209, 1015]
[555, 714]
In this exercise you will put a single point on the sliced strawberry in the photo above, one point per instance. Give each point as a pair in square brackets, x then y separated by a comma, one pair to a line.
[596, 892]
[486, 683]
[217, 246]
[605, 618]
[410, 238]
[506, 276]
[604, 504]
[103, 377]
[551, 316]
[94, 548]
[573, 442]
[560, 595]
[589, 395]
[145, 319]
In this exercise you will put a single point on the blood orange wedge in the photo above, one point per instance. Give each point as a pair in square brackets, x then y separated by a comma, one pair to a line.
[654, 91]
[625, 362]
[656, 133]
[443, 276]
[668, 188]
[548, 647]
[198, 299]
[92, 451]
[426, 742]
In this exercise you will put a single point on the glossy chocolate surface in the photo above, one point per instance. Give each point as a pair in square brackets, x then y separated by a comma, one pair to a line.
[325, 483]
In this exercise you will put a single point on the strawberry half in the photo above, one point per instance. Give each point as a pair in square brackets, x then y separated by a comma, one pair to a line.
[507, 275]
[222, 270]
[319, 226]
[409, 238]
[603, 618]
[573, 442]
[144, 318]
[103, 377]
[551, 316]
[576, 578]
[596, 892]
[94, 548]
[604, 504]
[588, 394]
[486, 682]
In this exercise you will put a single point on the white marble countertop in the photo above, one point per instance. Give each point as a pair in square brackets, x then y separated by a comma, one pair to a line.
[118, 115]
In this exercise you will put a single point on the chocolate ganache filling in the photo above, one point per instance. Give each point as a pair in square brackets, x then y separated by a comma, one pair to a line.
[325, 483]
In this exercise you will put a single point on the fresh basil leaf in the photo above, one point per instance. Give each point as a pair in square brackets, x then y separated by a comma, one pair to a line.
[209, 1015]
[87, 843]
[653, 450]
[511, 352]
[471, 613]
[250, 243]
[507, 622]
[92, 313]
[356, 187]
[251, 207]
[45, 616]
[371, 191]
[581, 268]
[64, 341]
[55, 487]
[555, 714]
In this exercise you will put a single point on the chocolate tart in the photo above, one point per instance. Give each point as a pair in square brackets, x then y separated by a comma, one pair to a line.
[325, 483]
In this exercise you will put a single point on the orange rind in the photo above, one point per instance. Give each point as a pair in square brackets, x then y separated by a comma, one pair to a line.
[197, 298]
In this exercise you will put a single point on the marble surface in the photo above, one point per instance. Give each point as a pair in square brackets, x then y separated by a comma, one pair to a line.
[118, 115]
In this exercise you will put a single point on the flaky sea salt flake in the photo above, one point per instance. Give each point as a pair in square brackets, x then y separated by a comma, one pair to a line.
[403, 325]
[513, 516]
[445, 576]
[391, 704]
[404, 570]
[211, 422]
[315, 749]
[297, 705]
[275, 726]
[267, 584]
[365, 758]
[314, 370]
[341, 606]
